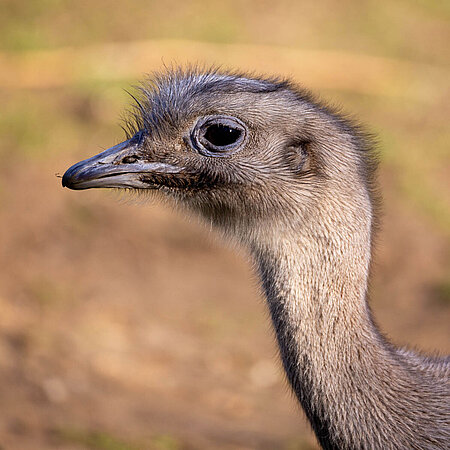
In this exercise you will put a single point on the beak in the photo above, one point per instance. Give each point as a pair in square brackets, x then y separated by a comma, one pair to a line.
[118, 167]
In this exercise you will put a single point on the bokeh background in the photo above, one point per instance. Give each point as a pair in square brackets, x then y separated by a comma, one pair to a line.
[129, 326]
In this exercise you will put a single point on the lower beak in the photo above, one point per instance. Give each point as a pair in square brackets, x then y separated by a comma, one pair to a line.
[118, 167]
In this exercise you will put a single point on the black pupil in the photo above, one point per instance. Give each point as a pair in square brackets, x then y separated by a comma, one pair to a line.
[222, 135]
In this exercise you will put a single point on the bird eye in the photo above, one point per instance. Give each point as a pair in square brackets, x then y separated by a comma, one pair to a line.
[218, 135]
[221, 135]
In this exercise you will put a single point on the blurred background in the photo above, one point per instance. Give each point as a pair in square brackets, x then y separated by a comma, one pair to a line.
[128, 326]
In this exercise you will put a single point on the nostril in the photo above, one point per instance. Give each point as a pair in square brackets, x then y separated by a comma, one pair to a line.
[129, 159]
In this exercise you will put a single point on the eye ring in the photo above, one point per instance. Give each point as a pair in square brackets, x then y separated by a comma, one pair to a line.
[218, 136]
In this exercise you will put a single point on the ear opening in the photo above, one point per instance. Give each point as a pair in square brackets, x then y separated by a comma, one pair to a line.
[299, 157]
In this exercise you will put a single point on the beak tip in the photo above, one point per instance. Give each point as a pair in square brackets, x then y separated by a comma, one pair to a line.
[70, 177]
[66, 179]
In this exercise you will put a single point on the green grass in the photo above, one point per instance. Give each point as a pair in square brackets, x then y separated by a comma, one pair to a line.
[441, 293]
[95, 440]
[376, 27]
[101, 440]
[39, 124]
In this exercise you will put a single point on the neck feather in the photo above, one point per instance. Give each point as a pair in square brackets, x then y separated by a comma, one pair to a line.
[357, 390]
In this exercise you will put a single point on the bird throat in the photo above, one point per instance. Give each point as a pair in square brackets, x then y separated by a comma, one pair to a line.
[315, 285]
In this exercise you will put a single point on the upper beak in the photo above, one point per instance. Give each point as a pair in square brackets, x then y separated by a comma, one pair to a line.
[118, 167]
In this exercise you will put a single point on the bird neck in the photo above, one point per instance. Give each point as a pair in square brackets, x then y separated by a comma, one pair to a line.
[315, 280]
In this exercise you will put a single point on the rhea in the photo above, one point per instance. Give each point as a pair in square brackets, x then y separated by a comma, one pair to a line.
[292, 181]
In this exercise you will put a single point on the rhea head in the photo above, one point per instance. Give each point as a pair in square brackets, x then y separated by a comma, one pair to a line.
[238, 150]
